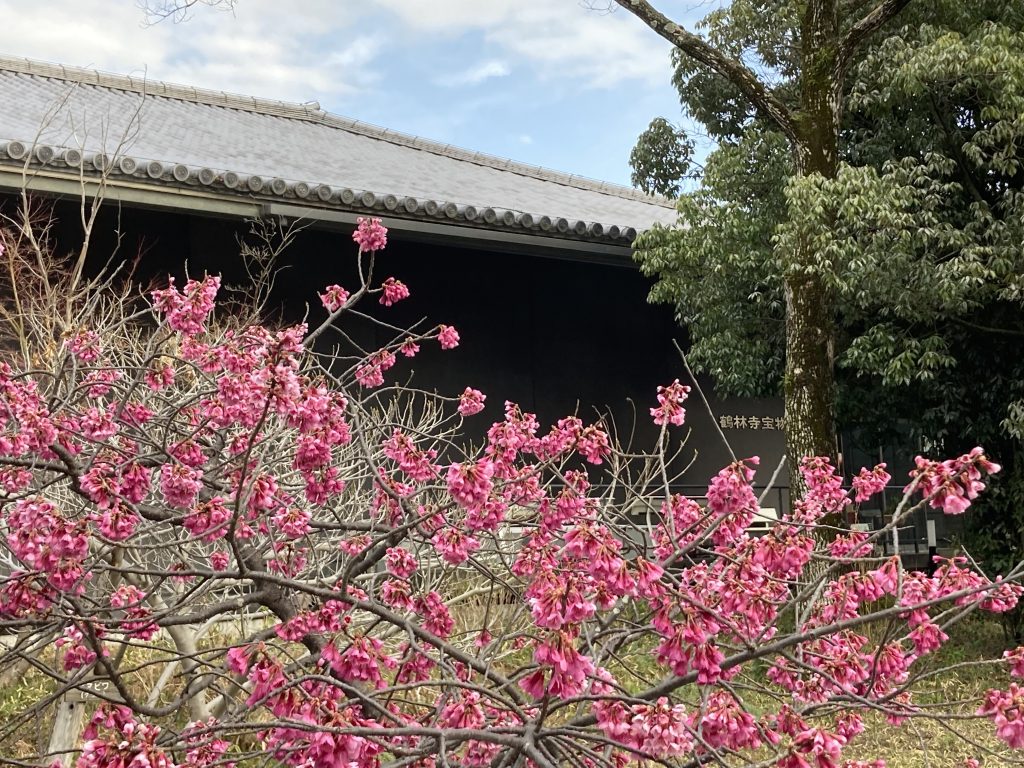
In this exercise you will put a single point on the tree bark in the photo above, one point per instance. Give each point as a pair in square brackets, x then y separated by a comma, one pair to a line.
[809, 386]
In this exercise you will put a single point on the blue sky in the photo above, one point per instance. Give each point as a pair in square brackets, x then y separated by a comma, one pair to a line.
[548, 82]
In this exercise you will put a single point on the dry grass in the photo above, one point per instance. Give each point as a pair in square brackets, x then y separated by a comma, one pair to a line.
[934, 742]
[921, 742]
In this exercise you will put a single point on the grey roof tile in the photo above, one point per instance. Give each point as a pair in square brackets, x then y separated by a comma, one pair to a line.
[176, 125]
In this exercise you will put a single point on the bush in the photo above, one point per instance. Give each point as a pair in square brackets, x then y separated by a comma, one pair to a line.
[225, 545]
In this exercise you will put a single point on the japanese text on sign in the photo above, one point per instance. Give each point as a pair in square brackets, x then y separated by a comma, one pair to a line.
[751, 422]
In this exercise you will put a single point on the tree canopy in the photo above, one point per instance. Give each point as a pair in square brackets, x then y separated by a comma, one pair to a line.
[919, 234]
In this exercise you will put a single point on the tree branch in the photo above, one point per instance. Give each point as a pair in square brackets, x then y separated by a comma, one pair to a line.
[734, 70]
[864, 28]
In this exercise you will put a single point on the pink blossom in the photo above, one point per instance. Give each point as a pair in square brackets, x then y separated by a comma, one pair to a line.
[436, 616]
[98, 425]
[417, 463]
[219, 560]
[85, 346]
[135, 621]
[471, 401]
[44, 540]
[114, 739]
[670, 404]
[565, 668]
[370, 234]
[448, 337]
[463, 712]
[160, 377]
[733, 501]
[471, 483]
[953, 484]
[180, 484]
[77, 653]
[867, 483]
[825, 493]
[593, 444]
[209, 519]
[334, 297]
[393, 291]
[204, 749]
[401, 562]
[116, 523]
[454, 546]
[371, 373]
[98, 383]
[292, 522]
[187, 311]
[1006, 709]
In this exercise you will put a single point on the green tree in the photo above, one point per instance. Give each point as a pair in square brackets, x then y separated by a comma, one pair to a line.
[919, 237]
[912, 241]
[784, 63]
[661, 159]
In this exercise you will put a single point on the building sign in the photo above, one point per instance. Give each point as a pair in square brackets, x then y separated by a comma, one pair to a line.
[752, 422]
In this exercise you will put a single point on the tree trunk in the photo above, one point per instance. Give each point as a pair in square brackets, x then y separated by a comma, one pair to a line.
[810, 308]
[810, 382]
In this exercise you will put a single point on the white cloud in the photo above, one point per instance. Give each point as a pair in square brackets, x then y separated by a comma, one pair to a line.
[562, 39]
[256, 49]
[477, 73]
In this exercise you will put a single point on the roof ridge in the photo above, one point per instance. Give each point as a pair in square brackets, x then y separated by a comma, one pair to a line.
[312, 112]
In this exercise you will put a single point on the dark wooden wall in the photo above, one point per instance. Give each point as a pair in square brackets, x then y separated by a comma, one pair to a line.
[557, 336]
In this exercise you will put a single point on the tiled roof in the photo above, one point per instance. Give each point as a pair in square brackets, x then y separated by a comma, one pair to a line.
[177, 136]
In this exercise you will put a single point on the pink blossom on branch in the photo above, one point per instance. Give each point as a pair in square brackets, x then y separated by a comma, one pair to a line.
[334, 298]
[548, 591]
[187, 311]
[471, 401]
[370, 234]
[448, 337]
[393, 291]
[953, 484]
[670, 404]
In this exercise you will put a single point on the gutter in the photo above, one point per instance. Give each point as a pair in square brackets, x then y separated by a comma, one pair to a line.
[195, 199]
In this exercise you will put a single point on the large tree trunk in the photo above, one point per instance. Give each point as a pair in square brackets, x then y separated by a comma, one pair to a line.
[810, 311]
[810, 383]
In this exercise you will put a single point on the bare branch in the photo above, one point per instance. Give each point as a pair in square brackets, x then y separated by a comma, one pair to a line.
[734, 70]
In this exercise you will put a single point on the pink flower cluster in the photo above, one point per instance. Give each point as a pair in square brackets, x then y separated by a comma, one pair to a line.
[393, 291]
[187, 311]
[85, 346]
[448, 337]
[333, 298]
[825, 493]
[46, 541]
[670, 404]
[1006, 708]
[370, 234]
[869, 482]
[661, 730]
[471, 401]
[115, 739]
[953, 484]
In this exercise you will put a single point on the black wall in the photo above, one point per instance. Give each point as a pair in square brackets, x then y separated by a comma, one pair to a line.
[557, 336]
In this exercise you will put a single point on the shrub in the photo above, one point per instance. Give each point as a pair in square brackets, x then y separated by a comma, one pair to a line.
[238, 548]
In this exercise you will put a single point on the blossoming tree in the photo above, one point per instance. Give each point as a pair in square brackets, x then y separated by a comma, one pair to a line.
[224, 545]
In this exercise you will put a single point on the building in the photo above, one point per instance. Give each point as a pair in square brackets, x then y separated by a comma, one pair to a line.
[533, 266]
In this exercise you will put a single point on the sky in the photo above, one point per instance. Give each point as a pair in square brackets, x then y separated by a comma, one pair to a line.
[555, 83]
